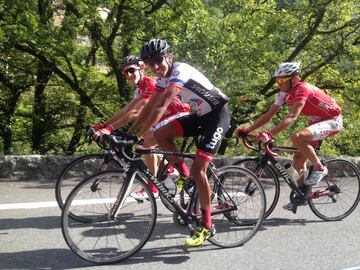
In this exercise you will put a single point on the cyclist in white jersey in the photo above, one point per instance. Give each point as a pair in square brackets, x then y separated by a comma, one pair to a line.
[210, 119]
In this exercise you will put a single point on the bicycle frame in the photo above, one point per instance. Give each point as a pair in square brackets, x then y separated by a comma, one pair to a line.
[270, 156]
[136, 166]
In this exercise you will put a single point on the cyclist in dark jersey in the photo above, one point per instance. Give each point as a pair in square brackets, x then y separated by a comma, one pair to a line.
[210, 118]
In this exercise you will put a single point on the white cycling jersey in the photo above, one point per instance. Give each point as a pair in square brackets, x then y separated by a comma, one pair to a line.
[195, 89]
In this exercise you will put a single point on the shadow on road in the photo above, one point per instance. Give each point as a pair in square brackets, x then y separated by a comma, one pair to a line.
[41, 259]
[65, 259]
[275, 222]
[42, 223]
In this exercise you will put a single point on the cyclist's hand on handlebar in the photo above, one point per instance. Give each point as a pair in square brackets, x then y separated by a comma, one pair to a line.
[133, 137]
[242, 132]
[98, 135]
[264, 137]
[100, 125]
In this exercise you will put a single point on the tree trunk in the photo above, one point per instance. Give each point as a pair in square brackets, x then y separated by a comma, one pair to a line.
[40, 118]
[79, 124]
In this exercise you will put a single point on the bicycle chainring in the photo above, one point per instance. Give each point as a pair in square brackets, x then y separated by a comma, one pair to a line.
[178, 220]
[296, 199]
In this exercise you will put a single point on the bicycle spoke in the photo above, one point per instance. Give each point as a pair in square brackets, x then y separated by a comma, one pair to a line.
[344, 181]
[243, 216]
[107, 238]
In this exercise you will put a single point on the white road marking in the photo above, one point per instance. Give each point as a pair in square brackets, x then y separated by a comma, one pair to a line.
[36, 205]
[49, 204]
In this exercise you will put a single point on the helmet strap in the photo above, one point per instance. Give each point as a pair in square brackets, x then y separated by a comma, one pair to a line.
[141, 77]
[170, 65]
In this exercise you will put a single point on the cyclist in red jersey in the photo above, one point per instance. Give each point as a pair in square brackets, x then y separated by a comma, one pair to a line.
[133, 68]
[325, 120]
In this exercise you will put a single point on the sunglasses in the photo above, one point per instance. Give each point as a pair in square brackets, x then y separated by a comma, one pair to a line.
[130, 70]
[158, 59]
[281, 81]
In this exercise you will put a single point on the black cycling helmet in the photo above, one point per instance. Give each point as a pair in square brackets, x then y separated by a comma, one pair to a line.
[153, 48]
[131, 60]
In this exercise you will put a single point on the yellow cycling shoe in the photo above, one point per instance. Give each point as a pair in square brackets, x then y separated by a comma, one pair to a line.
[201, 235]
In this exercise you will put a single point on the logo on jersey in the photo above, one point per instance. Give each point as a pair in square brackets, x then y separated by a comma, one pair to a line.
[196, 101]
[205, 93]
[216, 137]
[175, 73]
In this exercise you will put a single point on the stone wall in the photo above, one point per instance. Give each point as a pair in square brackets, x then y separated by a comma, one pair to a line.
[37, 167]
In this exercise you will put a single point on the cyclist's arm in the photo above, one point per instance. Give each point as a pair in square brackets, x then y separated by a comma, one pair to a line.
[158, 110]
[128, 113]
[290, 119]
[145, 112]
[265, 118]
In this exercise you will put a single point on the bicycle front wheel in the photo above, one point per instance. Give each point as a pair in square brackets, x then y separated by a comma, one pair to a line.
[79, 169]
[240, 189]
[113, 225]
[338, 194]
[268, 179]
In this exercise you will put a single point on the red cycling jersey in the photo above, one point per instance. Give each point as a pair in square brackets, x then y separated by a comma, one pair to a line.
[318, 105]
[175, 107]
[147, 88]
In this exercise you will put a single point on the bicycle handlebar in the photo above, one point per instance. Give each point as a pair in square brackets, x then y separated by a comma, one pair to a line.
[246, 140]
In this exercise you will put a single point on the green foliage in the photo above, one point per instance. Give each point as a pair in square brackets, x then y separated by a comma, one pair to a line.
[236, 43]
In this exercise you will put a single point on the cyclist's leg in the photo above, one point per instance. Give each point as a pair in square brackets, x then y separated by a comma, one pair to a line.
[198, 172]
[302, 141]
[165, 138]
[299, 163]
[152, 163]
[214, 126]
[318, 131]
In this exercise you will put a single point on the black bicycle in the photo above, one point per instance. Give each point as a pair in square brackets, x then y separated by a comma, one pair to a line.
[83, 167]
[110, 225]
[87, 165]
[332, 199]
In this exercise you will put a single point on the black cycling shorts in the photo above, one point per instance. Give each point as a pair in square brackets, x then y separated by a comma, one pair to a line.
[211, 126]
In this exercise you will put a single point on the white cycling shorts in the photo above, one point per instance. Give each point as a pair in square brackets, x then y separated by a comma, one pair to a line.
[327, 128]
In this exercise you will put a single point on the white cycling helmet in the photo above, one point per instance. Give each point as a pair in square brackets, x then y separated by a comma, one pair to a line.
[287, 69]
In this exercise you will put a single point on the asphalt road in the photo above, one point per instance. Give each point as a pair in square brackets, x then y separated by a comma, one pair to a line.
[30, 238]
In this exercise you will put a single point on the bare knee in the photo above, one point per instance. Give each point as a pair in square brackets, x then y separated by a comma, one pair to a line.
[149, 139]
[162, 133]
[296, 138]
[198, 169]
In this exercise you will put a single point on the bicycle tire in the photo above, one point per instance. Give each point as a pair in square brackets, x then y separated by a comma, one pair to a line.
[268, 178]
[237, 227]
[340, 203]
[77, 170]
[106, 238]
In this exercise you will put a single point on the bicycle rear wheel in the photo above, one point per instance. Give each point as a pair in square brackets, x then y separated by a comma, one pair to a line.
[79, 169]
[111, 233]
[268, 179]
[240, 188]
[338, 194]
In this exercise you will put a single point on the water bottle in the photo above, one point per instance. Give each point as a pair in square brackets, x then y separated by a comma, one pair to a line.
[291, 171]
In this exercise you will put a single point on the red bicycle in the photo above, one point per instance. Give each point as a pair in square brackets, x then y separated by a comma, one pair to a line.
[333, 198]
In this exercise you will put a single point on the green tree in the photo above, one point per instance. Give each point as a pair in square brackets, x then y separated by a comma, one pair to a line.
[60, 60]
